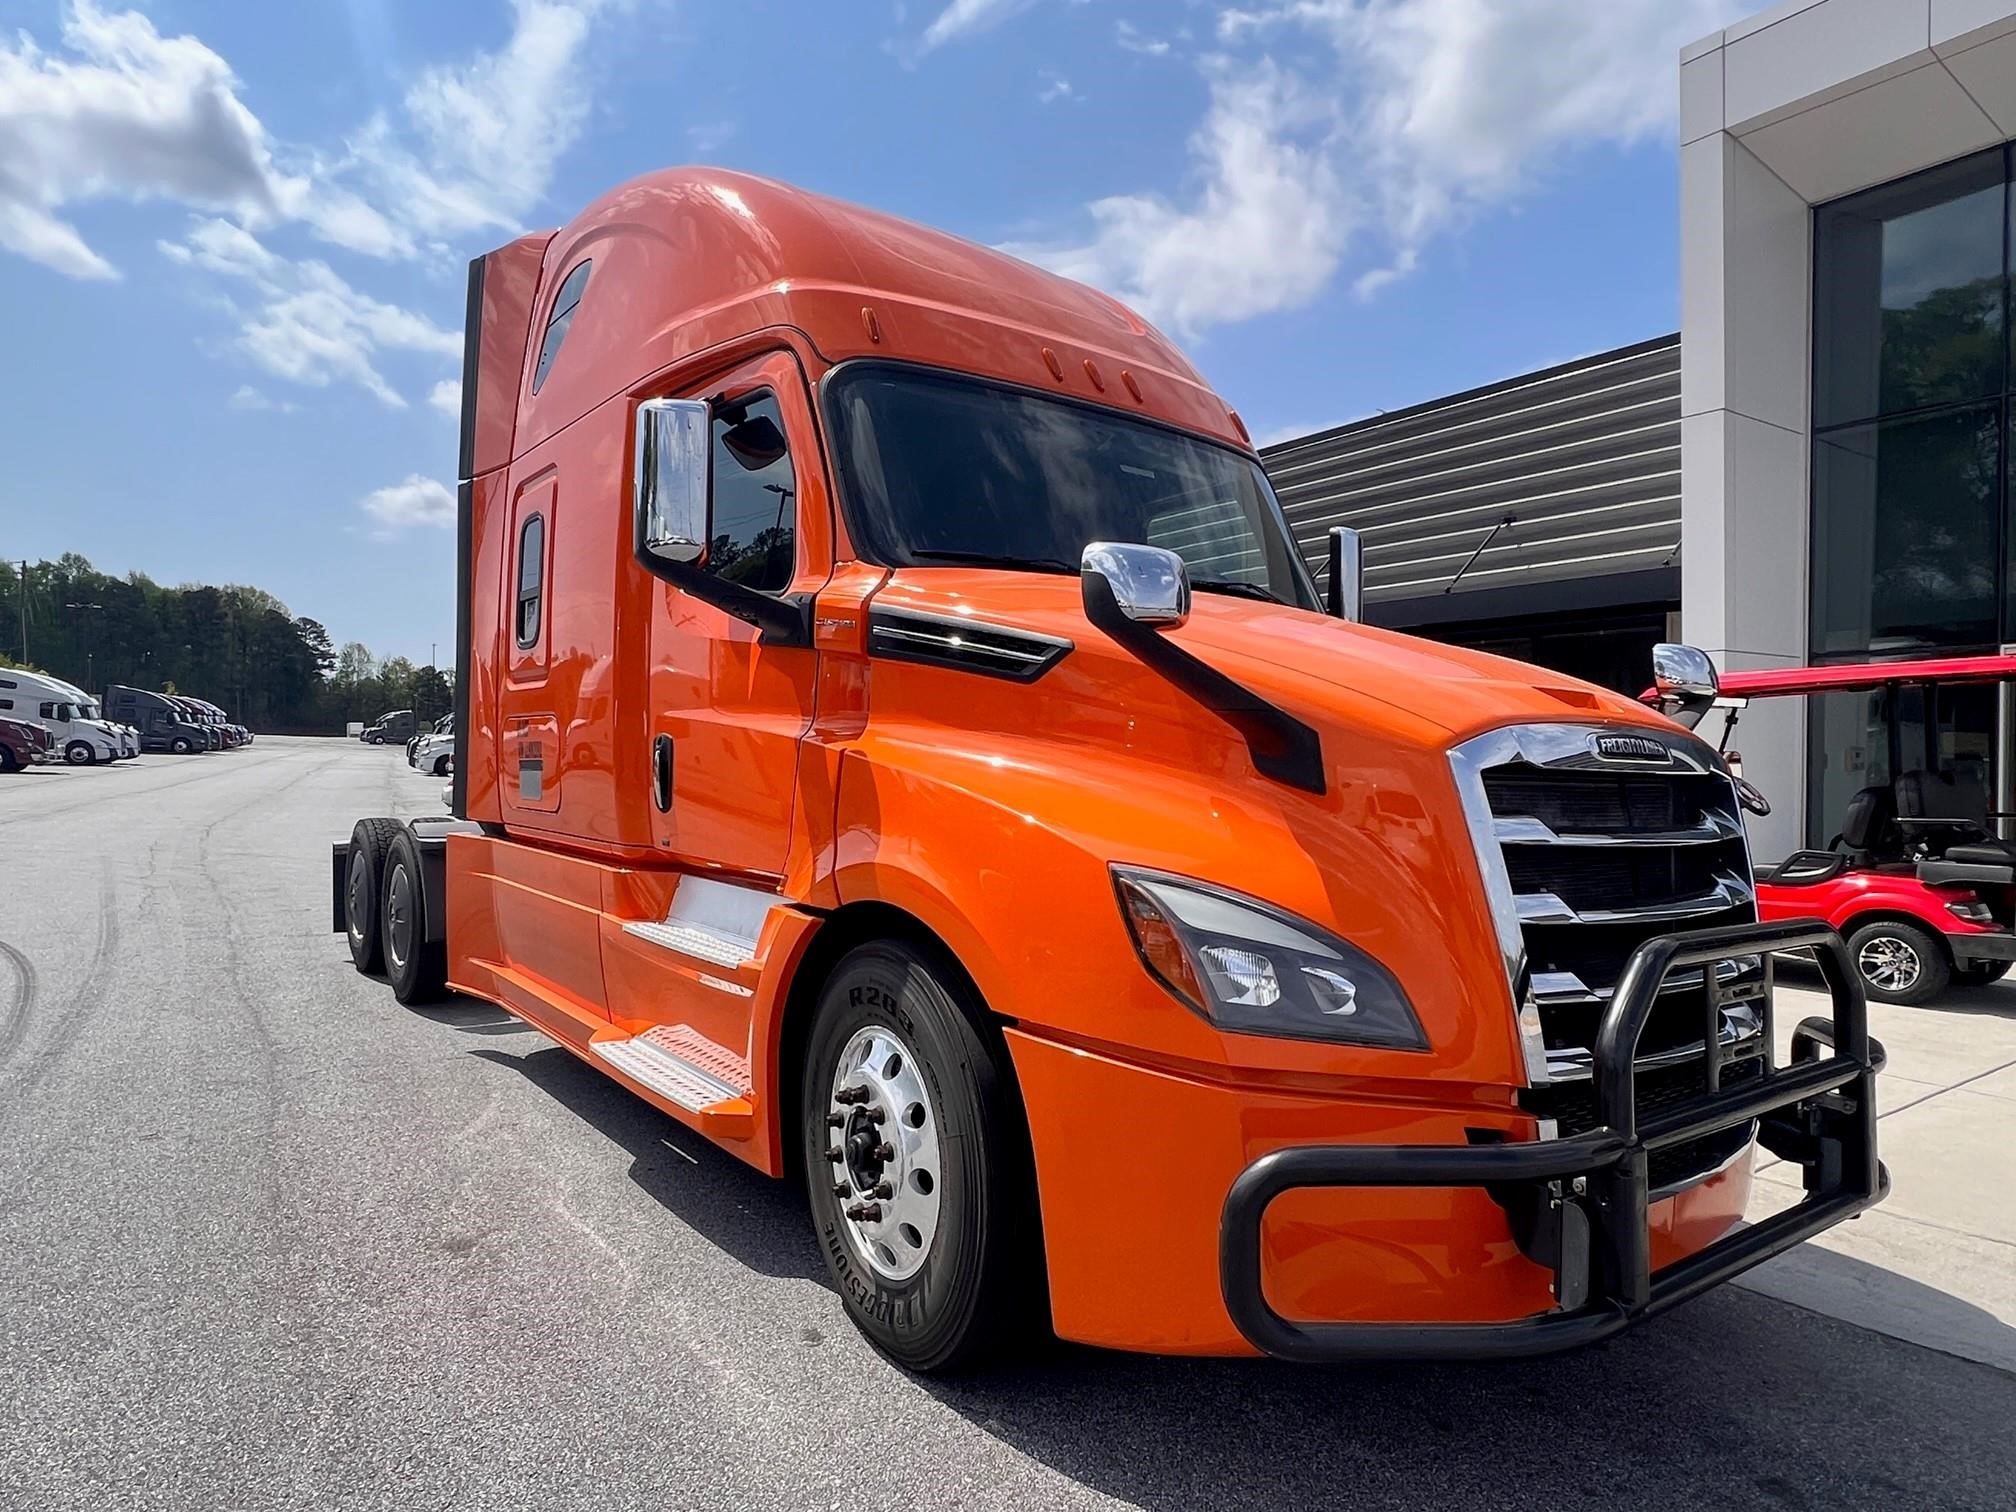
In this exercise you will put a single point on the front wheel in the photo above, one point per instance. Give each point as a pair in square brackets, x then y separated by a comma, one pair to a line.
[180, 745]
[917, 1163]
[440, 766]
[1900, 963]
[79, 753]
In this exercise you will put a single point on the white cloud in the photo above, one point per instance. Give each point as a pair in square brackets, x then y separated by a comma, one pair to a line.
[1132, 39]
[1357, 131]
[122, 112]
[1055, 87]
[419, 502]
[308, 324]
[964, 18]
[1265, 230]
[479, 140]
[446, 397]
[249, 398]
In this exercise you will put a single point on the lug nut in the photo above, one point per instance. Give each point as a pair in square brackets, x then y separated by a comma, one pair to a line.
[835, 1153]
[877, 1114]
[885, 1152]
[883, 1190]
[865, 1212]
[842, 1190]
[848, 1096]
[835, 1120]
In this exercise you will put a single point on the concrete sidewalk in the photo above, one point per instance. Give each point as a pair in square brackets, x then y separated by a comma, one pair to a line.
[1935, 1264]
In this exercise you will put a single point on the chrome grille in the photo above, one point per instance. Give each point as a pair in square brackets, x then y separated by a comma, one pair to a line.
[1585, 857]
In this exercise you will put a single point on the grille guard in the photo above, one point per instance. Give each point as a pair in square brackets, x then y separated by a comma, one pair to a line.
[1590, 1191]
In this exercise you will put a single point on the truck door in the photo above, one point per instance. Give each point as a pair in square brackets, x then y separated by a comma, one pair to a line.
[728, 711]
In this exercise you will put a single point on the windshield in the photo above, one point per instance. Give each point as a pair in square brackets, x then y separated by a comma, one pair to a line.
[938, 469]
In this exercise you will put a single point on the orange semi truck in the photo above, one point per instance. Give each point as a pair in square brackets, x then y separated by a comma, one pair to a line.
[898, 738]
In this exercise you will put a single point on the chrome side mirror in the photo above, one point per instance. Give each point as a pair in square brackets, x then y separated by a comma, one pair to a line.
[672, 494]
[1150, 585]
[1684, 678]
[1347, 574]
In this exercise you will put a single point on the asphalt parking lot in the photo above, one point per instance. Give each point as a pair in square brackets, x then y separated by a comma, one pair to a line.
[271, 1241]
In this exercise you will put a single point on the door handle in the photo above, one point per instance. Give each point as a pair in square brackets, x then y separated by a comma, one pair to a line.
[661, 773]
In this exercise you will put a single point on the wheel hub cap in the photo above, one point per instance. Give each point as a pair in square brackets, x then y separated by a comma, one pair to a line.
[1890, 964]
[399, 915]
[885, 1154]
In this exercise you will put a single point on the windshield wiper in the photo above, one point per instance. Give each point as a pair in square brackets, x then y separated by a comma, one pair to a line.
[998, 559]
[1237, 590]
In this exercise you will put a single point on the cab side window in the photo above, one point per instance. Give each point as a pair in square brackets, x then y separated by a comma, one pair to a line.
[557, 322]
[755, 496]
[531, 578]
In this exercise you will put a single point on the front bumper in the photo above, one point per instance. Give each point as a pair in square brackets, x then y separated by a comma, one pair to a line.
[1581, 1202]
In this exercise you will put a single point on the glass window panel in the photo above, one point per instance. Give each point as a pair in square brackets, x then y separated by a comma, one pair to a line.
[755, 498]
[1904, 535]
[1847, 750]
[1909, 293]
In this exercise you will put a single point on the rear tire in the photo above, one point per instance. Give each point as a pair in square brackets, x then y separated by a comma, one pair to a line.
[1900, 963]
[416, 966]
[362, 888]
[949, 1270]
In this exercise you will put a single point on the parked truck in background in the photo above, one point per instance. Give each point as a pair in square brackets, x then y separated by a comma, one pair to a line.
[24, 743]
[897, 737]
[393, 728]
[58, 708]
[163, 724]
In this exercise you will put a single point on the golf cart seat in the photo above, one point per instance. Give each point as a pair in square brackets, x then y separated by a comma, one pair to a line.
[1867, 817]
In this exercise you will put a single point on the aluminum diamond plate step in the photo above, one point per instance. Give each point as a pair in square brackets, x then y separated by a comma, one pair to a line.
[679, 1065]
[710, 921]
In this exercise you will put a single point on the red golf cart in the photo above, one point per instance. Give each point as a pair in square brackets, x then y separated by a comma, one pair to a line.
[1911, 871]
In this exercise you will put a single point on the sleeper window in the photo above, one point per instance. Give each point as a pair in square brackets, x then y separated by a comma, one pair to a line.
[531, 577]
[564, 305]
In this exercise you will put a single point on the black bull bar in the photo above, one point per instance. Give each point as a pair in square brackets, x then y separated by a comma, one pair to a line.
[1591, 1189]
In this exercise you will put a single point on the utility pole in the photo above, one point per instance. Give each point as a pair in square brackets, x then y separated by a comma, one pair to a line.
[24, 611]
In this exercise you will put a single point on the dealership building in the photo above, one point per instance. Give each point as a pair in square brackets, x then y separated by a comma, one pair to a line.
[1815, 470]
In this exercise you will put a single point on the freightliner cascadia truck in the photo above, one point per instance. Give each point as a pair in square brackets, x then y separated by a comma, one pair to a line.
[899, 738]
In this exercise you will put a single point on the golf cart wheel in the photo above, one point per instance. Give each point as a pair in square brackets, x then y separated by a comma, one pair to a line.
[79, 753]
[917, 1163]
[370, 842]
[417, 966]
[1900, 963]
[1982, 973]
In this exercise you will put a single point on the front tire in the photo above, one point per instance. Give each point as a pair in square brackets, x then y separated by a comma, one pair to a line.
[363, 887]
[180, 745]
[440, 766]
[917, 1164]
[79, 753]
[1900, 963]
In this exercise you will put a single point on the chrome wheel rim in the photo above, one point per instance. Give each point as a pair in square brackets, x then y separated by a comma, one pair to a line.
[398, 916]
[354, 895]
[1890, 964]
[883, 1152]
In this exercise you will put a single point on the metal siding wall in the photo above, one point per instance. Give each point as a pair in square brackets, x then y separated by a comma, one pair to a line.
[1586, 455]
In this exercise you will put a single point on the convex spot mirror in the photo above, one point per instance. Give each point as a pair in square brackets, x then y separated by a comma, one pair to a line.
[1149, 584]
[672, 491]
[1684, 677]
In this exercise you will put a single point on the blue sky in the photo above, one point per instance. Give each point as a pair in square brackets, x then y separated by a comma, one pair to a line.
[233, 237]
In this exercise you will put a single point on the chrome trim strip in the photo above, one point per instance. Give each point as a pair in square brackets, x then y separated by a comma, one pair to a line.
[1522, 829]
[964, 645]
[1741, 1026]
[1729, 891]
[1748, 1147]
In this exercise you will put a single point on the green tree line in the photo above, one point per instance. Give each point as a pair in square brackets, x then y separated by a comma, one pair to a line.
[236, 646]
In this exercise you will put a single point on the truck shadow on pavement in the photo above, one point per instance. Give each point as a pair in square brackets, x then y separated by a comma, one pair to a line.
[1736, 1400]
[757, 1222]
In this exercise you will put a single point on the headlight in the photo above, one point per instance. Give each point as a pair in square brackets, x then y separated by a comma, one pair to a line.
[1252, 969]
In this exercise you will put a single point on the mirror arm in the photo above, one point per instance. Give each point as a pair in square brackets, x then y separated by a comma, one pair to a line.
[785, 620]
[1283, 747]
